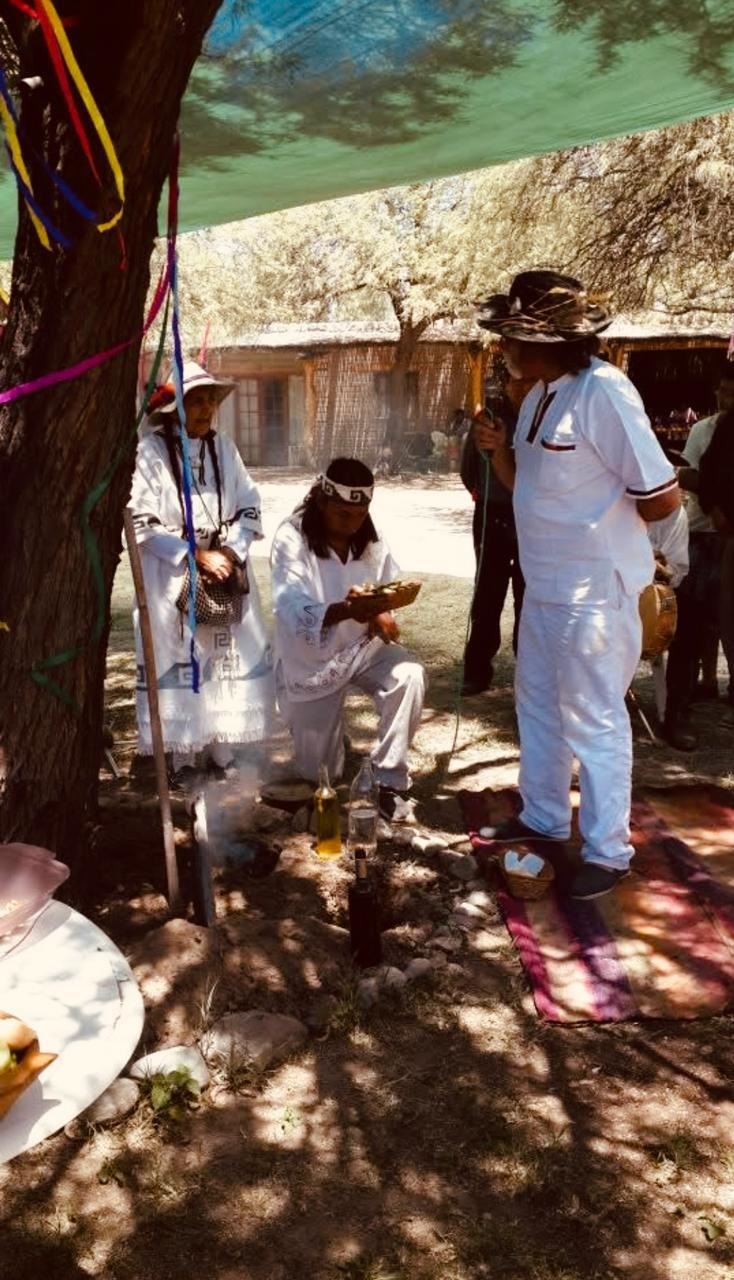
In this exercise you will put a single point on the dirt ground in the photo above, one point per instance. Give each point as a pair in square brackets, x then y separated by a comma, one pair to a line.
[446, 1134]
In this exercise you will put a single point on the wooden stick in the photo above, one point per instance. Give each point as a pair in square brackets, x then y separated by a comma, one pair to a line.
[151, 681]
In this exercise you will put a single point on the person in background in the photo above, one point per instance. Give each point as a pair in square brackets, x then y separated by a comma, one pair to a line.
[669, 542]
[587, 476]
[495, 548]
[236, 699]
[716, 497]
[321, 556]
[699, 593]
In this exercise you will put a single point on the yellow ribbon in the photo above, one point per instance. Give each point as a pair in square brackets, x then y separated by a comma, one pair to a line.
[92, 109]
[11, 134]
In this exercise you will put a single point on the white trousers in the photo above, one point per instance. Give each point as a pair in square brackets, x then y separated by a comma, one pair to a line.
[396, 685]
[575, 664]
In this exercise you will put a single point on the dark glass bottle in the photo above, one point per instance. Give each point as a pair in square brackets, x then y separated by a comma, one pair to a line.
[364, 916]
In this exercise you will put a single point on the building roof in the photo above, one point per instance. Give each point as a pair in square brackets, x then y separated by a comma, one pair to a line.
[650, 326]
[345, 333]
[653, 326]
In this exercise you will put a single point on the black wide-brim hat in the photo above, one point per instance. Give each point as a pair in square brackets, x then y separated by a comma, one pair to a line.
[543, 306]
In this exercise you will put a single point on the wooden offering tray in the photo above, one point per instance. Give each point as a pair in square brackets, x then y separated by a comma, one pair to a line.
[383, 597]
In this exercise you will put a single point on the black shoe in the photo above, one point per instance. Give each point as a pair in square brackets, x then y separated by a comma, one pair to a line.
[594, 881]
[472, 688]
[396, 806]
[184, 779]
[678, 737]
[514, 829]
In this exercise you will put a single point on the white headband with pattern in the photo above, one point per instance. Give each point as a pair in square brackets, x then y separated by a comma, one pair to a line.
[353, 493]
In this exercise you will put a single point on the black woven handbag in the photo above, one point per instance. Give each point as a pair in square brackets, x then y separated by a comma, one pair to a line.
[216, 603]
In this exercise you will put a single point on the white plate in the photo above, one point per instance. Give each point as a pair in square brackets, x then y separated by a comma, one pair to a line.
[69, 982]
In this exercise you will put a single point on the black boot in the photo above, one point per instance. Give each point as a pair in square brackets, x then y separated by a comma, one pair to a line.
[677, 735]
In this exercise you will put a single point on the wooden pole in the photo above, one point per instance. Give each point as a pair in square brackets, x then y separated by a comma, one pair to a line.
[151, 681]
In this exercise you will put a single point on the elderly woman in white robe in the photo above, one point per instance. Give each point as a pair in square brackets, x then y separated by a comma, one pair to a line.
[235, 699]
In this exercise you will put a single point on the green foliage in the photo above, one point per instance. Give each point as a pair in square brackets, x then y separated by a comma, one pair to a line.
[171, 1094]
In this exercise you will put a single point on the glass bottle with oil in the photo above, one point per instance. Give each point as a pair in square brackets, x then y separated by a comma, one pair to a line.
[328, 824]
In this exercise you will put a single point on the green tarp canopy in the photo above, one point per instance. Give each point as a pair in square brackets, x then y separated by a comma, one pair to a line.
[295, 101]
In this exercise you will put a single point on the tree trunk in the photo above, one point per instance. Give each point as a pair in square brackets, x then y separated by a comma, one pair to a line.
[56, 444]
[397, 421]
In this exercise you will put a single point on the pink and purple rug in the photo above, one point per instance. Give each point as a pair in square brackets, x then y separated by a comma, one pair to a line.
[661, 945]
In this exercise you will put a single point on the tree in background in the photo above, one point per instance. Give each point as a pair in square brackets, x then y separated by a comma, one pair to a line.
[646, 218]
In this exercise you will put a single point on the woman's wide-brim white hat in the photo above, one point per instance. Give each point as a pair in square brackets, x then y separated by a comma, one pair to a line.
[193, 376]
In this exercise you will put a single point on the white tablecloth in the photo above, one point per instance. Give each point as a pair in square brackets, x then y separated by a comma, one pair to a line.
[68, 981]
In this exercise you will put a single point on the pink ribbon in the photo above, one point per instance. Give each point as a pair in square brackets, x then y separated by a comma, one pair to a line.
[92, 362]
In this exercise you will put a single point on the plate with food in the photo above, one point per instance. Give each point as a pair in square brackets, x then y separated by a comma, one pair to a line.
[21, 1060]
[374, 598]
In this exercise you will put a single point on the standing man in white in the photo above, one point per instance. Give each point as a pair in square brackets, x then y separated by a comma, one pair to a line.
[587, 475]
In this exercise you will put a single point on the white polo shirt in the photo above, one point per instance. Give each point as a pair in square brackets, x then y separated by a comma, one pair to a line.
[585, 453]
[699, 438]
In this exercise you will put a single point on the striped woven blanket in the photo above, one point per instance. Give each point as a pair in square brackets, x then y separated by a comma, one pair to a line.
[661, 945]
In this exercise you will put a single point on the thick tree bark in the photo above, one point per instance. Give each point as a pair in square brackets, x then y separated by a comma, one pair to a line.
[410, 335]
[56, 444]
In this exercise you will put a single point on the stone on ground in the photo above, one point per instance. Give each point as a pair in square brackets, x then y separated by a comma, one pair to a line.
[462, 866]
[256, 1036]
[186, 1057]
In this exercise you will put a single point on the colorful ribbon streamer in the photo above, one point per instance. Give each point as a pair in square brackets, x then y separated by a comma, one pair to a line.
[65, 65]
[62, 57]
[91, 362]
[187, 476]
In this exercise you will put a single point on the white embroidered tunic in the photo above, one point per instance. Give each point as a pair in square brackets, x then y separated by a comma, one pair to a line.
[236, 696]
[313, 660]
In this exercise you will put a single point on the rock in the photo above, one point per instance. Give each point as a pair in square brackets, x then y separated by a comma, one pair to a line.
[176, 967]
[470, 909]
[257, 1036]
[439, 960]
[467, 917]
[454, 972]
[425, 843]
[173, 1059]
[394, 979]
[368, 992]
[301, 819]
[418, 969]
[267, 818]
[320, 1014]
[480, 898]
[462, 866]
[444, 940]
[114, 1104]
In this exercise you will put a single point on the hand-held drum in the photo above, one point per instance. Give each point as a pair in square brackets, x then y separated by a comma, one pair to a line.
[659, 614]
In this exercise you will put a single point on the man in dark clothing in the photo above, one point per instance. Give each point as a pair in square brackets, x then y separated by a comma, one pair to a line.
[699, 595]
[495, 547]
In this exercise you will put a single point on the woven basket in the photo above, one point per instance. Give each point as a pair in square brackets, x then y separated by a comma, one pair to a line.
[529, 887]
[383, 599]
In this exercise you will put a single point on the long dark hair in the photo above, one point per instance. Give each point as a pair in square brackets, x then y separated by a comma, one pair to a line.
[577, 355]
[348, 471]
[172, 439]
